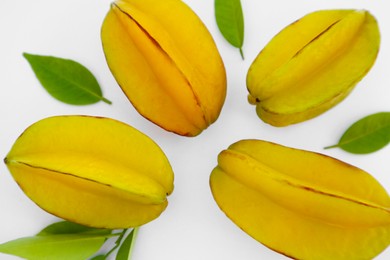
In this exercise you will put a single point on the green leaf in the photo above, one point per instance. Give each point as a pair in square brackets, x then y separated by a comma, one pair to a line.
[367, 135]
[59, 247]
[66, 227]
[124, 252]
[230, 21]
[66, 80]
[61, 240]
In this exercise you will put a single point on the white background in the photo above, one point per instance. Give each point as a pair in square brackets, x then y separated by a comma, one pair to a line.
[192, 227]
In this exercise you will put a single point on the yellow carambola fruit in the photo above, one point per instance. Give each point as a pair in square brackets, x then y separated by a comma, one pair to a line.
[312, 65]
[93, 171]
[302, 204]
[166, 62]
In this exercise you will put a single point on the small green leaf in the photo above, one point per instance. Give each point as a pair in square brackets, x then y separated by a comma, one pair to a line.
[59, 247]
[66, 227]
[66, 80]
[124, 252]
[367, 135]
[61, 240]
[230, 21]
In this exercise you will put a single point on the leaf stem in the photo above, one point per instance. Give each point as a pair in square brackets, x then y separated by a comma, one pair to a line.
[117, 243]
[241, 53]
[331, 146]
[135, 232]
[106, 100]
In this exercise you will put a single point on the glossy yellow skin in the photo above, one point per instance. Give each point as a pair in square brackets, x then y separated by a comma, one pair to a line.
[166, 62]
[93, 171]
[302, 204]
[312, 65]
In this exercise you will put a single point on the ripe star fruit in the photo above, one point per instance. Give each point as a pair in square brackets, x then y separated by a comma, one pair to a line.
[312, 65]
[94, 171]
[302, 204]
[166, 62]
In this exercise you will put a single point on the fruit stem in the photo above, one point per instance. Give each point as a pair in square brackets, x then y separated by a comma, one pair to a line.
[252, 100]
